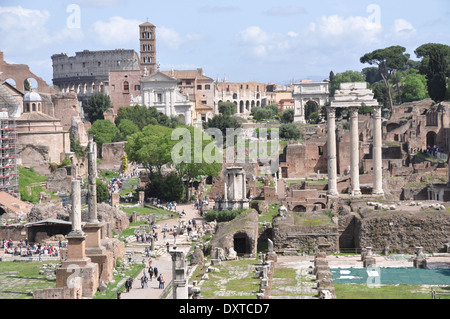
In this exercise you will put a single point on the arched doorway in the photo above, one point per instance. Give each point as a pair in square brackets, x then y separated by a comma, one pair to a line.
[241, 243]
[241, 107]
[431, 139]
[299, 209]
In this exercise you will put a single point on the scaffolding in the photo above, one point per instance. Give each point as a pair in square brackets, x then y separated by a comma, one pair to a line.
[9, 177]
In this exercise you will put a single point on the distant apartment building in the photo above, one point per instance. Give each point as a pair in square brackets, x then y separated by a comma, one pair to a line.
[200, 90]
[244, 95]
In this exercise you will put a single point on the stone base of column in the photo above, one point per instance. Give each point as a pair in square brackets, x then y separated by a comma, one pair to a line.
[356, 192]
[76, 271]
[378, 193]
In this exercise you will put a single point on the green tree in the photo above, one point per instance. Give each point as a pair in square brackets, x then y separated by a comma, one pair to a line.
[372, 75]
[290, 132]
[168, 187]
[97, 105]
[142, 116]
[388, 60]
[436, 66]
[152, 147]
[197, 163]
[311, 107]
[347, 76]
[127, 128]
[414, 86]
[75, 146]
[227, 108]
[102, 192]
[104, 131]
[222, 122]
[288, 116]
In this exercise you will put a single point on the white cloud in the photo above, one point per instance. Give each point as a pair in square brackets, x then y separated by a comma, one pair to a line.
[257, 43]
[357, 28]
[25, 30]
[173, 40]
[117, 31]
[401, 26]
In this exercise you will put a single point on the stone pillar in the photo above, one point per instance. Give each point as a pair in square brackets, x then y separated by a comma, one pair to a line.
[76, 209]
[77, 266]
[179, 280]
[377, 152]
[92, 177]
[354, 149]
[332, 164]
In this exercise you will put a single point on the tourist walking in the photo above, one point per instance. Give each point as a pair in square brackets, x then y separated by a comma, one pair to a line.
[161, 281]
[150, 272]
[129, 284]
[155, 272]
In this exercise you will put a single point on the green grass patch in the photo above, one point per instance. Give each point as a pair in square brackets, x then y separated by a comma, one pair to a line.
[318, 219]
[29, 184]
[355, 291]
[236, 277]
[19, 279]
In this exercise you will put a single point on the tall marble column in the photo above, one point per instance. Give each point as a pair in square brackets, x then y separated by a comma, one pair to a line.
[332, 164]
[76, 209]
[377, 152]
[92, 179]
[354, 149]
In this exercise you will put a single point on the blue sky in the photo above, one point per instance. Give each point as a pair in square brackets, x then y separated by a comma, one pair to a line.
[264, 41]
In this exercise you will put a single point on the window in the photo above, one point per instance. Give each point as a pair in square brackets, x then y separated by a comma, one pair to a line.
[320, 150]
[126, 87]
[207, 87]
[34, 107]
[188, 82]
[204, 102]
[160, 100]
[99, 63]
[84, 64]
[199, 87]
[137, 87]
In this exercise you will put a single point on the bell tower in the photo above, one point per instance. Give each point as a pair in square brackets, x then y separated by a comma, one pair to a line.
[147, 41]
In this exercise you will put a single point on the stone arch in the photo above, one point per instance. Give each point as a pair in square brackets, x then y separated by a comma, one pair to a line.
[258, 103]
[392, 126]
[235, 96]
[242, 243]
[247, 106]
[299, 209]
[431, 138]
[253, 103]
[322, 205]
[241, 107]
[11, 81]
[32, 84]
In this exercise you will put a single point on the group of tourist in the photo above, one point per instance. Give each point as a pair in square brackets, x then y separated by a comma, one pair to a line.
[432, 150]
[25, 249]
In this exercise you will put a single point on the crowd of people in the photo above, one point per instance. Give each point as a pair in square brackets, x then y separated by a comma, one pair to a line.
[25, 249]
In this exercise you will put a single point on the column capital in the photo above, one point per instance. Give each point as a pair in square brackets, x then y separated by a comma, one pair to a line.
[354, 111]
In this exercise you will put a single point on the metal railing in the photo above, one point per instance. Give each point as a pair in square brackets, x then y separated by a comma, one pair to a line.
[434, 293]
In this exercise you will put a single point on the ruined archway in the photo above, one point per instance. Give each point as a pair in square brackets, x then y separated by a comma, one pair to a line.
[431, 139]
[241, 243]
[299, 209]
